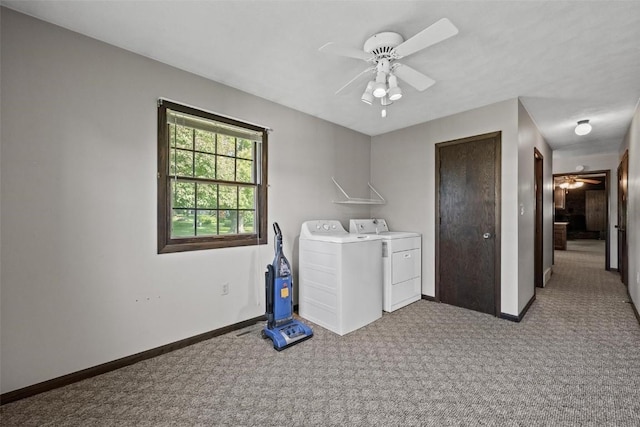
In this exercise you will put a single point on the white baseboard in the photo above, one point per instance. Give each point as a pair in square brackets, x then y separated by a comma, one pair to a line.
[547, 276]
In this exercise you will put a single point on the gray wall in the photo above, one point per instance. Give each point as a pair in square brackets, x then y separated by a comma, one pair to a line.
[632, 143]
[529, 138]
[81, 282]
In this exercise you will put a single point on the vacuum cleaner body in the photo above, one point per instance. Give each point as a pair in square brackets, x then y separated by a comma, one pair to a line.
[281, 328]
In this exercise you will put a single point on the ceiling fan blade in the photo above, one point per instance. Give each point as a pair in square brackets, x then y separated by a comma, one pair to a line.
[355, 78]
[441, 30]
[348, 51]
[588, 181]
[413, 77]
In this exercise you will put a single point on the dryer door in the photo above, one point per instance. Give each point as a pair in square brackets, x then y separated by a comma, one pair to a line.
[405, 266]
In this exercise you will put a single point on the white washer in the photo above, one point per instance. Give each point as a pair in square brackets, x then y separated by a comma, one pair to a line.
[339, 276]
[401, 261]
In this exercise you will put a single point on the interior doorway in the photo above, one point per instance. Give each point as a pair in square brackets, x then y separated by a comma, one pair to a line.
[468, 223]
[581, 209]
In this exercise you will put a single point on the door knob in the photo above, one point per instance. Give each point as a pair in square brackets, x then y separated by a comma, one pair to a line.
[486, 236]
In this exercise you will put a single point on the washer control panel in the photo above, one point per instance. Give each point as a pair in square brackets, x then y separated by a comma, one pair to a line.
[368, 226]
[328, 226]
[324, 226]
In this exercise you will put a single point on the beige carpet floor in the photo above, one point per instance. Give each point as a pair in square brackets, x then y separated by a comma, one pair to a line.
[573, 361]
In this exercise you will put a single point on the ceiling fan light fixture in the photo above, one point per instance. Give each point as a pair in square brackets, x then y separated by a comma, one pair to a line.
[381, 52]
[571, 184]
[380, 90]
[367, 96]
[395, 93]
[380, 87]
[583, 127]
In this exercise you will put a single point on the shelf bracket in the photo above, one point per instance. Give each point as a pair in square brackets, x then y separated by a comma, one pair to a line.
[357, 200]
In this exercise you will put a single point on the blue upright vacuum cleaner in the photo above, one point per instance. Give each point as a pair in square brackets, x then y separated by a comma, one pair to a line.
[281, 327]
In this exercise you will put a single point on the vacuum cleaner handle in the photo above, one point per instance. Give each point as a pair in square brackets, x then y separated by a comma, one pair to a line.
[276, 229]
[269, 279]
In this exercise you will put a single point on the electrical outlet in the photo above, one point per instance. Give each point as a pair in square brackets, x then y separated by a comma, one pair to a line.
[225, 289]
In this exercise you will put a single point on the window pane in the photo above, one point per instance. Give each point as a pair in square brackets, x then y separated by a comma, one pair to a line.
[228, 221]
[247, 198]
[184, 137]
[205, 141]
[245, 149]
[244, 172]
[228, 197]
[181, 163]
[207, 222]
[207, 196]
[172, 135]
[246, 222]
[226, 145]
[226, 169]
[182, 223]
[184, 194]
[205, 166]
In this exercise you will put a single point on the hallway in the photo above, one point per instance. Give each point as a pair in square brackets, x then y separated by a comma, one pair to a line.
[583, 301]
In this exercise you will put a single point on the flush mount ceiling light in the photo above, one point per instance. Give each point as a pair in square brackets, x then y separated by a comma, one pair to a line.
[583, 127]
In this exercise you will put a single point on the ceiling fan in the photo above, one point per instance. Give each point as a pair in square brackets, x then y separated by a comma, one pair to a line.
[574, 181]
[382, 50]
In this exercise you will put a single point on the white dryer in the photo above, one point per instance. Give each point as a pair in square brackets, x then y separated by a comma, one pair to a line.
[339, 276]
[401, 261]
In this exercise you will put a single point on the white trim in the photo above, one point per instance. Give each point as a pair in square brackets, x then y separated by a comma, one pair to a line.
[547, 276]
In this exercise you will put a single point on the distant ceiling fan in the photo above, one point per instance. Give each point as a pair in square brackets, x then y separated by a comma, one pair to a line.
[382, 50]
[574, 181]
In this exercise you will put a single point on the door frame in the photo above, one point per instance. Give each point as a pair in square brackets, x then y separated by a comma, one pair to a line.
[623, 261]
[497, 217]
[538, 262]
[607, 190]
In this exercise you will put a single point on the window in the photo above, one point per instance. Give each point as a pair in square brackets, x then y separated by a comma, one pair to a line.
[212, 180]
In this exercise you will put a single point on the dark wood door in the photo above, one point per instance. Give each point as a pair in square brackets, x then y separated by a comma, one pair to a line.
[623, 259]
[538, 272]
[467, 254]
[595, 206]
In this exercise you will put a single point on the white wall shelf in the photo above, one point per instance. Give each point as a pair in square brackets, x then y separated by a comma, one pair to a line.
[358, 201]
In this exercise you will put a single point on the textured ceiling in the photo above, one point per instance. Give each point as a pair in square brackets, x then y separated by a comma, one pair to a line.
[567, 61]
